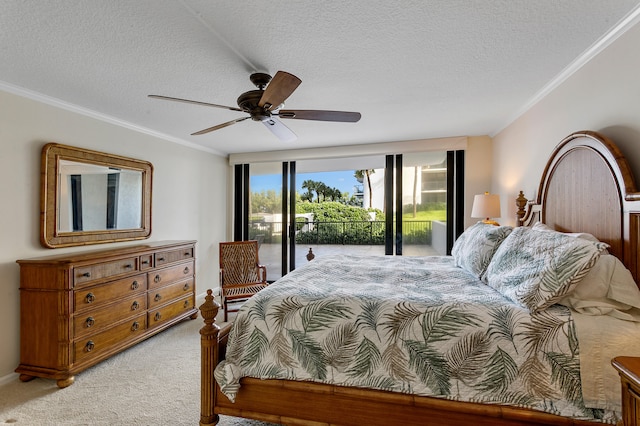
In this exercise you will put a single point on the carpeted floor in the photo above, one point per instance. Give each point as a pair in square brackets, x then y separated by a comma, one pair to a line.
[157, 382]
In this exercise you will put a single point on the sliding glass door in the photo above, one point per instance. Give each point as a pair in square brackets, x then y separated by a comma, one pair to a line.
[339, 206]
[423, 203]
[266, 217]
[371, 205]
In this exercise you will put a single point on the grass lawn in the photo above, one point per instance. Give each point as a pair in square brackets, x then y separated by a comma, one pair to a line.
[426, 215]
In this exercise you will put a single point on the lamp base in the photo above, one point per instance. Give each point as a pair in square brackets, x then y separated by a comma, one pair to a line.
[490, 222]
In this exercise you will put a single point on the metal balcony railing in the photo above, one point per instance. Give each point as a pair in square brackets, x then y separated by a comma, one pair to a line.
[347, 233]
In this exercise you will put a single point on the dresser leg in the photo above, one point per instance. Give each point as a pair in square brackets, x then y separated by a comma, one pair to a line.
[63, 383]
[26, 378]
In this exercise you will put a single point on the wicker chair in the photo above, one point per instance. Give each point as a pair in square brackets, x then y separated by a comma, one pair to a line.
[241, 275]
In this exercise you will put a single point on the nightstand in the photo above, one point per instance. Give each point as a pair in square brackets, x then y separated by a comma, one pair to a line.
[629, 369]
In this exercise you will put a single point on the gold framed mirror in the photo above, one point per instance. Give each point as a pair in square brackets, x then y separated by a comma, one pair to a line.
[90, 197]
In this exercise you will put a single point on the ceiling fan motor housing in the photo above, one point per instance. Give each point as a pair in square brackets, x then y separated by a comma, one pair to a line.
[248, 101]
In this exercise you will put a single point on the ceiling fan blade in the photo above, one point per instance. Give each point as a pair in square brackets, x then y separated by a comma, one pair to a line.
[187, 101]
[219, 126]
[279, 89]
[320, 115]
[281, 131]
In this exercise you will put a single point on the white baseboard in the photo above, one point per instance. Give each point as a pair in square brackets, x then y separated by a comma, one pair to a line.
[8, 378]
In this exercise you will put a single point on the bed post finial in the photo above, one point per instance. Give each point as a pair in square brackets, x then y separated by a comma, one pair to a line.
[521, 202]
[209, 356]
[209, 310]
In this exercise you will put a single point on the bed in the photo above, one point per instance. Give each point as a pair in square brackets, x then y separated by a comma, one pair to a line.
[586, 188]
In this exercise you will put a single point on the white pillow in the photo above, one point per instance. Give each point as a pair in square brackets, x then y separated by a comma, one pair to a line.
[539, 226]
[608, 289]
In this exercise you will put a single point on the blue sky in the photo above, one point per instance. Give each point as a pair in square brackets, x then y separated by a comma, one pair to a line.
[343, 180]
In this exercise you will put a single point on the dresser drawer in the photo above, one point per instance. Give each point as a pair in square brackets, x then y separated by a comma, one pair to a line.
[95, 320]
[165, 276]
[170, 311]
[95, 296]
[170, 256]
[88, 274]
[94, 345]
[162, 295]
[146, 262]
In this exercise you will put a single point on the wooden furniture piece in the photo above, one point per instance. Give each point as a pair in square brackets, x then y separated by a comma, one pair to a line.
[629, 369]
[585, 170]
[79, 309]
[241, 274]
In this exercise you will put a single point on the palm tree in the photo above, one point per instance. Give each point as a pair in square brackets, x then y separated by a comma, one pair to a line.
[334, 194]
[311, 186]
[360, 175]
[322, 189]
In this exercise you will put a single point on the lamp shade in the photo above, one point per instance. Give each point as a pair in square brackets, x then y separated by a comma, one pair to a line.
[486, 205]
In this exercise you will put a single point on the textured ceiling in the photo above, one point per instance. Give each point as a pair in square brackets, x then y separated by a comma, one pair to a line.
[415, 69]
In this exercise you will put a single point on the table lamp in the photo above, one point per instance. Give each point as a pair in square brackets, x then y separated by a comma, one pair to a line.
[486, 206]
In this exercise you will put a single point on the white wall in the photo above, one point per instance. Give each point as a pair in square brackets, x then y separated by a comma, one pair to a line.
[188, 200]
[604, 96]
[478, 168]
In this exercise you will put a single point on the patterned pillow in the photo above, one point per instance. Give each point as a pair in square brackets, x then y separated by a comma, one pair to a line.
[474, 249]
[536, 269]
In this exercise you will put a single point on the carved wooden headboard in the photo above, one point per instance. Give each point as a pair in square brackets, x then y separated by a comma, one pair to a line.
[587, 186]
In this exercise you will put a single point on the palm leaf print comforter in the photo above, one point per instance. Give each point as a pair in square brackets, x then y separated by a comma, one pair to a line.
[415, 325]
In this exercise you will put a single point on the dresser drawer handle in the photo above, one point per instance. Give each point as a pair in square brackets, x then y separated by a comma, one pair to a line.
[135, 285]
[187, 253]
[186, 304]
[90, 298]
[145, 262]
[135, 305]
[157, 316]
[135, 326]
[128, 266]
[87, 275]
[158, 297]
[157, 278]
[161, 259]
[89, 346]
[186, 287]
[186, 270]
[89, 322]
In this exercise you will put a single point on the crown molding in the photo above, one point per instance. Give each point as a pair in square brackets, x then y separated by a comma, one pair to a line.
[48, 100]
[625, 24]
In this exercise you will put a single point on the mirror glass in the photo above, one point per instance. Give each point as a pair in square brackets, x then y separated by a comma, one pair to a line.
[89, 197]
[94, 198]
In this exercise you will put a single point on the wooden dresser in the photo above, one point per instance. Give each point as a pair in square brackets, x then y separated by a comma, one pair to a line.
[79, 309]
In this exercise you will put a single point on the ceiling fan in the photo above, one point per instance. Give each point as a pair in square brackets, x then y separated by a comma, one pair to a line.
[264, 105]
